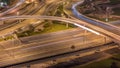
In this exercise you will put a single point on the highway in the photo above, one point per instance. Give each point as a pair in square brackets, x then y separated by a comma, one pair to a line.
[116, 23]
[13, 9]
[39, 9]
[65, 34]
[22, 11]
[66, 56]
[57, 43]
[109, 27]
[105, 30]
[47, 38]
[45, 47]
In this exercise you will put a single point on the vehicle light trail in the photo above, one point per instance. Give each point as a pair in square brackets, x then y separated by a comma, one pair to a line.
[95, 32]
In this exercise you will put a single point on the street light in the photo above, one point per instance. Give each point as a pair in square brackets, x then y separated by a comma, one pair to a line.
[108, 9]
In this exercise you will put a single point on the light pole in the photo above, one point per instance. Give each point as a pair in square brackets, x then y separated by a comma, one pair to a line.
[85, 33]
[105, 39]
[107, 14]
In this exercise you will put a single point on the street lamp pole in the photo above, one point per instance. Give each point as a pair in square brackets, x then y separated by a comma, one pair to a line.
[85, 33]
[107, 14]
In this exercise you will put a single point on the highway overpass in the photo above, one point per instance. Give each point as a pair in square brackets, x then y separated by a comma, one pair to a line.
[103, 29]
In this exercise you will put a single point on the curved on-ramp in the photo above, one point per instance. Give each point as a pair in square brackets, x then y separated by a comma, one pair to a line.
[114, 30]
[94, 28]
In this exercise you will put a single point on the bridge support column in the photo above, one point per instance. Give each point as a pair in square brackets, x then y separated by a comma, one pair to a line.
[18, 41]
[105, 40]
[67, 25]
[35, 3]
[18, 13]
[1, 22]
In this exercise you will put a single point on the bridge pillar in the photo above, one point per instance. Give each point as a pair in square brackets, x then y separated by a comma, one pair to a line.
[35, 3]
[1, 22]
[18, 13]
[105, 40]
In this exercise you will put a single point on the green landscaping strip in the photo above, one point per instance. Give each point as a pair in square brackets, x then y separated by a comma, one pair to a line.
[48, 29]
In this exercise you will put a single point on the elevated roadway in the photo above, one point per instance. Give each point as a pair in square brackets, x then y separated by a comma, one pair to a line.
[39, 7]
[99, 28]
[112, 30]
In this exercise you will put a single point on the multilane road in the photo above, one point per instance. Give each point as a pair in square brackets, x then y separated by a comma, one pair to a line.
[15, 8]
[112, 31]
[43, 46]
[103, 29]
[36, 50]
[40, 8]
